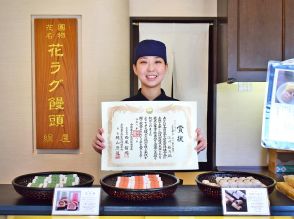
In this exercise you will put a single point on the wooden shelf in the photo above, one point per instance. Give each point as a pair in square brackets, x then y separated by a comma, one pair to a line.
[273, 158]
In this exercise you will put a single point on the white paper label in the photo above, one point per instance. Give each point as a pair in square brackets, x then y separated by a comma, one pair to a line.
[245, 201]
[76, 201]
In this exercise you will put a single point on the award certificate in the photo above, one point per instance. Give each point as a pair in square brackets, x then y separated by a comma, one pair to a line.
[149, 135]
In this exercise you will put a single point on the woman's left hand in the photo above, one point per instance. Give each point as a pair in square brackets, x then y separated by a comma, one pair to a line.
[201, 141]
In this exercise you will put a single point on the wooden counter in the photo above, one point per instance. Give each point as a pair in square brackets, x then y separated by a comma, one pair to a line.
[188, 200]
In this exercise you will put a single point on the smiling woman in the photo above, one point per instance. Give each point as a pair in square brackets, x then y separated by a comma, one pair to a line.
[190, 67]
[150, 70]
[150, 66]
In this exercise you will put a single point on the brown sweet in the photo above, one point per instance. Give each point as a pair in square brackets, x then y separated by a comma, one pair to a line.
[289, 179]
[286, 189]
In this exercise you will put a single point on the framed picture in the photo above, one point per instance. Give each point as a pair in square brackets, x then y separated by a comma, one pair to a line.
[278, 113]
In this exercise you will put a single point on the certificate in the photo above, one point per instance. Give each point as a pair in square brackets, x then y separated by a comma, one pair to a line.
[149, 135]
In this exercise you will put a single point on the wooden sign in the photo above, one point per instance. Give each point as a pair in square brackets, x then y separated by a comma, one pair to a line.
[56, 83]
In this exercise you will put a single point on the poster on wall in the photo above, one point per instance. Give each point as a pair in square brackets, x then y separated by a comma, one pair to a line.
[278, 114]
[148, 135]
[55, 64]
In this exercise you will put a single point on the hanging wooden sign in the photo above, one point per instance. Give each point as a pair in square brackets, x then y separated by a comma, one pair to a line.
[56, 83]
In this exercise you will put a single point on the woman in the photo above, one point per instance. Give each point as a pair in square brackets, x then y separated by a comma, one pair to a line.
[150, 66]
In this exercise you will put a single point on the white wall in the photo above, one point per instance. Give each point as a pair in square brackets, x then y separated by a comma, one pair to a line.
[169, 8]
[174, 8]
[239, 124]
[104, 75]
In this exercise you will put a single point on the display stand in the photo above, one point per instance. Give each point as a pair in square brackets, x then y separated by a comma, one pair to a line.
[273, 158]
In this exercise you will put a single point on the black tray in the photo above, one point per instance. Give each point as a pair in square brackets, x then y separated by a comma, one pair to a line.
[45, 194]
[170, 183]
[215, 192]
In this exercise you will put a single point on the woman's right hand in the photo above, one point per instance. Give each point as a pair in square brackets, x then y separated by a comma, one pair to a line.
[98, 141]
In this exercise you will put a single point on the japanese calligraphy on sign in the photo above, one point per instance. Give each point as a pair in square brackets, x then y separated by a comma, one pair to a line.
[148, 135]
[56, 83]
